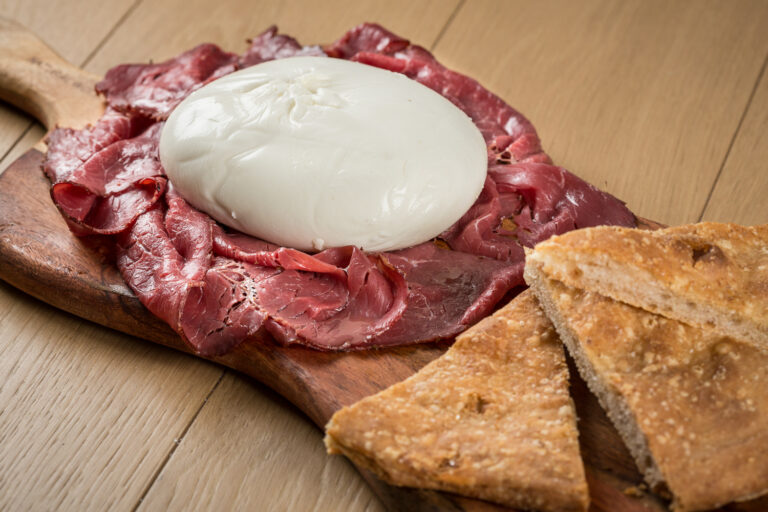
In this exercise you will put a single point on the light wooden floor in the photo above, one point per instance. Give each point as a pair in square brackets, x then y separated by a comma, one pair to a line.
[664, 104]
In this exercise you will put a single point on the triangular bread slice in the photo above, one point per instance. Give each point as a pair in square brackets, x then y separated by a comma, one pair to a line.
[492, 419]
[689, 404]
[707, 274]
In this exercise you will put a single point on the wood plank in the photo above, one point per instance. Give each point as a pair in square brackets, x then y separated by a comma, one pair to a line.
[741, 193]
[13, 122]
[251, 450]
[159, 30]
[638, 97]
[29, 139]
[86, 414]
[73, 29]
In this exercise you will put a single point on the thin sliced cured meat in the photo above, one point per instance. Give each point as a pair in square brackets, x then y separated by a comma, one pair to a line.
[340, 298]
[217, 287]
[168, 254]
[522, 204]
[69, 148]
[324, 311]
[556, 201]
[270, 45]
[369, 38]
[112, 188]
[447, 291]
[153, 90]
[216, 301]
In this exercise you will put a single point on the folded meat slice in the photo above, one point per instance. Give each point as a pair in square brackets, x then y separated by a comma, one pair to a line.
[492, 419]
[109, 190]
[368, 38]
[524, 203]
[69, 148]
[270, 45]
[152, 90]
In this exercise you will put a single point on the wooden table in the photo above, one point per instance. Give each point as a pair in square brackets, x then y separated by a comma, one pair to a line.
[664, 104]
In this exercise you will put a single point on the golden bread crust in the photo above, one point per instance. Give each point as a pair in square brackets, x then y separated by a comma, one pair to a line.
[708, 274]
[491, 419]
[695, 395]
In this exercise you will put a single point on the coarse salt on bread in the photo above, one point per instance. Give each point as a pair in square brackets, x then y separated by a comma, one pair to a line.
[689, 403]
[491, 419]
[708, 274]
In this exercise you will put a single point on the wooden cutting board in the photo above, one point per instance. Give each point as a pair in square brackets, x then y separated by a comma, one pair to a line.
[40, 256]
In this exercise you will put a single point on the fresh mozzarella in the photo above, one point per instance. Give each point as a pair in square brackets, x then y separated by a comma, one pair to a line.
[313, 152]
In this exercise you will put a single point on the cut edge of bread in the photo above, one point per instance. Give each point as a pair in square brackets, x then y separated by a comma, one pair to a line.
[645, 293]
[616, 408]
[599, 273]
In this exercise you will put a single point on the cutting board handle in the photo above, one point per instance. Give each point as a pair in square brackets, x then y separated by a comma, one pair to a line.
[37, 80]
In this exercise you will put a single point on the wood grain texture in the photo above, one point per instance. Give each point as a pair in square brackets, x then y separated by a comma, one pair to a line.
[87, 414]
[240, 473]
[639, 97]
[29, 138]
[159, 30]
[74, 29]
[41, 82]
[741, 193]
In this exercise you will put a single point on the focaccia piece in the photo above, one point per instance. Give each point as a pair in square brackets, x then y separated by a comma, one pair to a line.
[689, 403]
[491, 419]
[707, 274]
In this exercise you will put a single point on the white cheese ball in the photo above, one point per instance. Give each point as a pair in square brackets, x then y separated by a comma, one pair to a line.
[313, 152]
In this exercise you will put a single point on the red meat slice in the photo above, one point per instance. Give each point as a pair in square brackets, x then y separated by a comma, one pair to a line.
[270, 45]
[68, 148]
[369, 38]
[153, 90]
[522, 204]
[108, 191]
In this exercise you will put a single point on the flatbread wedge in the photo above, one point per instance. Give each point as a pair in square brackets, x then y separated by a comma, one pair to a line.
[707, 274]
[491, 419]
[689, 403]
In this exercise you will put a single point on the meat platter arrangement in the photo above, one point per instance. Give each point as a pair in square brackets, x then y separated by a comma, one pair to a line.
[273, 212]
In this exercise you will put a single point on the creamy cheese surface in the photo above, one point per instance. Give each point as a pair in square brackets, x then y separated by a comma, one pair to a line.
[313, 152]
